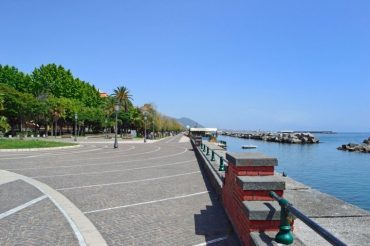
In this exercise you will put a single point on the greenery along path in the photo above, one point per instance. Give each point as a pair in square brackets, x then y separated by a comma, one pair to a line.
[138, 194]
[52, 99]
[29, 144]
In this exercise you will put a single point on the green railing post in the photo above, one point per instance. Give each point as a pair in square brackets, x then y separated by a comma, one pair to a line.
[207, 151]
[222, 165]
[213, 156]
[284, 235]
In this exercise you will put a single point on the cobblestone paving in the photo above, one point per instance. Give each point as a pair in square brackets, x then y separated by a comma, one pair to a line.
[16, 193]
[39, 224]
[138, 194]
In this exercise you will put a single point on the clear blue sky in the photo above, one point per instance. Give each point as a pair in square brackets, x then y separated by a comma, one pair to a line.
[267, 65]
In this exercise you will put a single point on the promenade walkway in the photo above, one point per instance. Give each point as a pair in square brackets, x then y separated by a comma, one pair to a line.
[138, 194]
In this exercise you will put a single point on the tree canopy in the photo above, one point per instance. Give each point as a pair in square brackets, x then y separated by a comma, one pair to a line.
[50, 96]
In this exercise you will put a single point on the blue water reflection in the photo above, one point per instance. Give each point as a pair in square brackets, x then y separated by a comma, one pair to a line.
[345, 175]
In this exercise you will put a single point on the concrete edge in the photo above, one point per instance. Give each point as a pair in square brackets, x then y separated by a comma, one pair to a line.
[90, 234]
[215, 179]
[38, 149]
[7, 178]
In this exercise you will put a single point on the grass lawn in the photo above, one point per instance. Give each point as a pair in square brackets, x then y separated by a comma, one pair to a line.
[28, 144]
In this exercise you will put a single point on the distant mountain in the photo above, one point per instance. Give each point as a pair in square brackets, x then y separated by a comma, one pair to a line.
[188, 122]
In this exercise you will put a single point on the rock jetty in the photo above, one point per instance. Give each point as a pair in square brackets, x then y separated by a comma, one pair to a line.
[278, 137]
[364, 147]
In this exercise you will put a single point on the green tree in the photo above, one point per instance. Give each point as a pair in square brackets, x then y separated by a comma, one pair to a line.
[2, 101]
[136, 117]
[18, 106]
[58, 109]
[123, 97]
[59, 82]
[53, 80]
[11, 76]
[4, 126]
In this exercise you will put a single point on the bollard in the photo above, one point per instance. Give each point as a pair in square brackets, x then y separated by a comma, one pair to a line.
[213, 156]
[284, 235]
[222, 166]
[207, 151]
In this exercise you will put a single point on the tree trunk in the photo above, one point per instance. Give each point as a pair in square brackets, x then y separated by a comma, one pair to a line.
[56, 128]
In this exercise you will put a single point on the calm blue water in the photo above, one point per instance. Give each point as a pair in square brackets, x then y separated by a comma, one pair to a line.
[345, 175]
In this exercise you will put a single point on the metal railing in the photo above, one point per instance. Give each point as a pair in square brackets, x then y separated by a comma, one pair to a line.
[223, 144]
[223, 162]
[285, 236]
[288, 211]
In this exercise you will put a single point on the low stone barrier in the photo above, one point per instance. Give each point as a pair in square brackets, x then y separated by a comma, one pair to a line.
[244, 189]
[245, 195]
[216, 177]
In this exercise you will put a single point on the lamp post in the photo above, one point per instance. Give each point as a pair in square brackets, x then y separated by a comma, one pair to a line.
[145, 118]
[153, 127]
[116, 108]
[76, 118]
[106, 130]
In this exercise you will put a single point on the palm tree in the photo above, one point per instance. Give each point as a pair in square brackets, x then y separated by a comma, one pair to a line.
[123, 97]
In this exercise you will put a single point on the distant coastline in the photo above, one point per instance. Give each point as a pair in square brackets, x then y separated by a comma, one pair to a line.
[305, 131]
[317, 132]
[289, 137]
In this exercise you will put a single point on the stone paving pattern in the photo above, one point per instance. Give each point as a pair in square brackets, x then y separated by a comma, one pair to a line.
[16, 193]
[40, 224]
[134, 173]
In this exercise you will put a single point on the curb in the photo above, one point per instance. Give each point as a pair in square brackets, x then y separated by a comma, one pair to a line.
[37, 149]
[84, 229]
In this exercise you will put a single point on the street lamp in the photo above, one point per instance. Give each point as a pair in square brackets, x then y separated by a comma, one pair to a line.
[76, 118]
[145, 118]
[106, 130]
[153, 127]
[116, 108]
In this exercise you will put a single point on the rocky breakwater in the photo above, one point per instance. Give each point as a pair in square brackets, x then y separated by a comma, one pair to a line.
[364, 147]
[291, 138]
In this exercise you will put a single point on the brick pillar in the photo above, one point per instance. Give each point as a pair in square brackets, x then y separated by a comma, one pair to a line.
[245, 194]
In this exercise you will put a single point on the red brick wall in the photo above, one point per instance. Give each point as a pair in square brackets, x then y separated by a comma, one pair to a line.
[233, 196]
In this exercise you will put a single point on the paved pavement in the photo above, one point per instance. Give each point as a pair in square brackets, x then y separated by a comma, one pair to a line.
[138, 194]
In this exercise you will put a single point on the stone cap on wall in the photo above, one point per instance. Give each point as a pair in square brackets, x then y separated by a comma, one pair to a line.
[262, 210]
[250, 159]
[212, 146]
[260, 183]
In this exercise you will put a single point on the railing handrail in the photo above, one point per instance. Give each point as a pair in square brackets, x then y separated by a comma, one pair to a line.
[287, 208]
[225, 160]
[223, 167]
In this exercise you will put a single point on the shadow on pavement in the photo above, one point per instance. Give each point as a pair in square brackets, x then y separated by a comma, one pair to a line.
[212, 221]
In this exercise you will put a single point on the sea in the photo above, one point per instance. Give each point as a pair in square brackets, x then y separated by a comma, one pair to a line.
[345, 175]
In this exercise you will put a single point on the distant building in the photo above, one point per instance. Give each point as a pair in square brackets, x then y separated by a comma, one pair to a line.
[203, 131]
[286, 131]
[103, 94]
